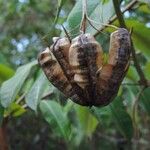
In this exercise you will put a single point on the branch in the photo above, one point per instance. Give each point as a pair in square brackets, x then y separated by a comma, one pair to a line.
[135, 106]
[119, 13]
[143, 80]
[128, 7]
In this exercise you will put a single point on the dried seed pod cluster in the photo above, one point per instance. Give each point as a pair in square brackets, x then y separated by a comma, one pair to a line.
[77, 68]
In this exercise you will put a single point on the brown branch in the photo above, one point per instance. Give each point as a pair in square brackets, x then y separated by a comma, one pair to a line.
[128, 7]
[143, 80]
[120, 18]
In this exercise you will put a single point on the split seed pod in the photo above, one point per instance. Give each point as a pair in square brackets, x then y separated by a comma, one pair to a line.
[112, 74]
[54, 62]
[77, 68]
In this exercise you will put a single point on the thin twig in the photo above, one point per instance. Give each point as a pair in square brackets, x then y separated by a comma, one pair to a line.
[128, 7]
[47, 95]
[120, 18]
[84, 16]
[20, 98]
[135, 107]
[143, 80]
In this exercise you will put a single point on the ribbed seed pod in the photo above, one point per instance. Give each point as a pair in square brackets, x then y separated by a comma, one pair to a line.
[54, 72]
[112, 74]
[57, 77]
[60, 50]
[85, 57]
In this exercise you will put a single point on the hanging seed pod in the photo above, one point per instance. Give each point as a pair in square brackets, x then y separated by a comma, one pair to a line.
[112, 74]
[60, 78]
[54, 72]
[85, 57]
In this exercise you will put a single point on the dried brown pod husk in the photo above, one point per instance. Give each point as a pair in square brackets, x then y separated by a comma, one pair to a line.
[85, 58]
[77, 68]
[54, 62]
[112, 74]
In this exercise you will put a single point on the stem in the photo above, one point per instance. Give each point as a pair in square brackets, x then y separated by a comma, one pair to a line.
[135, 107]
[3, 135]
[119, 13]
[84, 16]
[143, 80]
[128, 7]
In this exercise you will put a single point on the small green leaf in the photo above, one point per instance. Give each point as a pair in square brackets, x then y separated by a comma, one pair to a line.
[54, 115]
[15, 110]
[5, 72]
[11, 87]
[121, 118]
[87, 120]
[34, 95]
[132, 74]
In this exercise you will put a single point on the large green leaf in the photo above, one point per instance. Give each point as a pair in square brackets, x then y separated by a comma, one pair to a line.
[115, 113]
[34, 95]
[145, 100]
[97, 11]
[11, 87]
[56, 117]
[122, 118]
[87, 120]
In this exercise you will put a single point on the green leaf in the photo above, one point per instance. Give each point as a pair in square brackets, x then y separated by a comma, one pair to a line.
[103, 115]
[140, 36]
[11, 87]
[34, 95]
[97, 11]
[15, 110]
[145, 100]
[147, 70]
[121, 118]
[5, 72]
[132, 74]
[87, 120]
[60, 4]
[54, 115]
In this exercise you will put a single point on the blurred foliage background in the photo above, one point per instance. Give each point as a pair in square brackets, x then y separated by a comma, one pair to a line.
[27, 122]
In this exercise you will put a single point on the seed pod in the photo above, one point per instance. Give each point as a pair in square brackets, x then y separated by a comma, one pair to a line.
[85, 57]
[54, 72]
[60, 50]
[57, 77]
[112, 74]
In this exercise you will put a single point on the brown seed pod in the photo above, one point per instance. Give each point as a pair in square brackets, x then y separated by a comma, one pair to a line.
[53, 69]
[77, 68]
[85, 57]
[112, 74]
